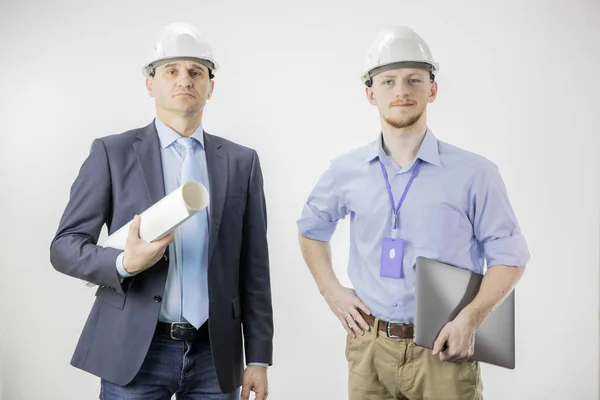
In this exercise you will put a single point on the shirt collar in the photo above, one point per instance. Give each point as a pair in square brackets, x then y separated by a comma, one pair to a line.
[428, 152]
[167, 136]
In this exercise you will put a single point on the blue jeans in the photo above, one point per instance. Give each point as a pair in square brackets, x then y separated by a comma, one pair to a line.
[183, 368]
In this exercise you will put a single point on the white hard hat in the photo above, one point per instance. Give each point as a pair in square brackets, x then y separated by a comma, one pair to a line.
[180, 40]
[397, 45]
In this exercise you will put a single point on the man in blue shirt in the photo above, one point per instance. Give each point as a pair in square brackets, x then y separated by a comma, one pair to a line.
[409, 194]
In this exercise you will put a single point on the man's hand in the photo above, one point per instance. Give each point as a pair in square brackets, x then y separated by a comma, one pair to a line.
[345, 303]
[140, 255]
[255, 380]
[459, 336]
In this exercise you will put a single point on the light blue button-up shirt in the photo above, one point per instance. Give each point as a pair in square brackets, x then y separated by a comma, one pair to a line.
[457, 211]
[172, 157]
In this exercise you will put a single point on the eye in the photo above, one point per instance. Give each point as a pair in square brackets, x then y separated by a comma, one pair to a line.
[388, 82]
[414, 80]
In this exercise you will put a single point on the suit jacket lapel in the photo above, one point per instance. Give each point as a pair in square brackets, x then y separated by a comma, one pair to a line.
[216, 160]
[147, 151]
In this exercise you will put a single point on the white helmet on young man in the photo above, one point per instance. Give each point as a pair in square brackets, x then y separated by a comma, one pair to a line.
[180, 40]
[397, 47]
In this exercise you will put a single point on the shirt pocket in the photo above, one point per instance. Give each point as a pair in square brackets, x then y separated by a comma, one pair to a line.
[445, 226]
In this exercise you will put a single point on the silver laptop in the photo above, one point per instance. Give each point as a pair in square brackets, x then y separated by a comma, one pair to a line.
[441, 292]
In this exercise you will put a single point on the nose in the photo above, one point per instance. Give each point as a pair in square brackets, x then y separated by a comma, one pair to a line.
[185, 80]
[401, 89]
[402, 92]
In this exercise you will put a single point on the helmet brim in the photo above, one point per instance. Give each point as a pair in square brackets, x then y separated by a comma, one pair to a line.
[424, 65]
[211, 64]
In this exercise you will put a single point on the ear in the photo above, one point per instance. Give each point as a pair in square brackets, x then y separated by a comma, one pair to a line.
[433, 92]
[370, 96]
[212, 88]
[149, 82]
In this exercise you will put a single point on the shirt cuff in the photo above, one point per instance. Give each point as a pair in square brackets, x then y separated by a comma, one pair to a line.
[314, 227]
[120, 269]
[258, 364]
[511, 251]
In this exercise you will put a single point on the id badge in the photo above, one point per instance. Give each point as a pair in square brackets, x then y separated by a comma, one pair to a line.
[392, 252]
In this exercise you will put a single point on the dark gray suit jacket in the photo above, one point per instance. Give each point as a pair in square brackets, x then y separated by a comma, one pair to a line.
[121, 177]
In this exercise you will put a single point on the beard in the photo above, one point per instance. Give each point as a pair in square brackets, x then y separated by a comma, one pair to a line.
[404, 121]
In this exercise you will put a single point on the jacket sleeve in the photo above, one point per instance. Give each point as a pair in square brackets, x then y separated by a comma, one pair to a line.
[257, 311]
[73, 251]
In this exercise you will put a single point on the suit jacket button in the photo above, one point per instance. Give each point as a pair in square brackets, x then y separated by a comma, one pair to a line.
[166, 257]
[157, 298]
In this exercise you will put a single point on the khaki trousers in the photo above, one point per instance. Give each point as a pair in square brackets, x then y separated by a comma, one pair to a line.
[382, 368]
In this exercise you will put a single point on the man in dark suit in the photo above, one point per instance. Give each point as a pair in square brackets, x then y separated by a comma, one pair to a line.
[168, 314]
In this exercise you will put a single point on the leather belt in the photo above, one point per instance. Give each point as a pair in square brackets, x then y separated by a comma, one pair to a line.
[178, 330]
[392, 330]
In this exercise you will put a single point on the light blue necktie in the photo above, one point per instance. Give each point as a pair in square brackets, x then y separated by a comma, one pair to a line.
[194, 234]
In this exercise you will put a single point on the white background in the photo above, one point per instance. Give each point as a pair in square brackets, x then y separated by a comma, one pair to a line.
[518, 84]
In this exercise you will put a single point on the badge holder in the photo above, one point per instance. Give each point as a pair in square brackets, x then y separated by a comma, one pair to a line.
[392, 254]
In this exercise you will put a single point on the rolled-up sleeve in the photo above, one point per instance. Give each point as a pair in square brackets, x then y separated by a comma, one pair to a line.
[494, 221]
[323, 209]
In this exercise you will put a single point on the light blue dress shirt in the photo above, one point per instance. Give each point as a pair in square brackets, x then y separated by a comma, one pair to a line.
[172, 157]
[457, 211]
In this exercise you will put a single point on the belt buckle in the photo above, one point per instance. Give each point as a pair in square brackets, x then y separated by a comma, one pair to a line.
[173, 324]
[388, 328]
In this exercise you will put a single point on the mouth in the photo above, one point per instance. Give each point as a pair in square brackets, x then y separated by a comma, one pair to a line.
[403, 105]
[184, 95]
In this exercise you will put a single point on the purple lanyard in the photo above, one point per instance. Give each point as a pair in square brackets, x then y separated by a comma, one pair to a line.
[389, 190]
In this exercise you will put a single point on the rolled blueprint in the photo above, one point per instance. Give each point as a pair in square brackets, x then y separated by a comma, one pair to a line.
[164, 216]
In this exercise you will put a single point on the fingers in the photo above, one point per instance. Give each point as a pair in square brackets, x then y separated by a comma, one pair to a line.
[245, 395]
[359, 320]
[356, 322]
[134, 228]
[362, 306]
[459, 347]
[448, 352]
[164, 242]
[357, 316]
[344, 304]
[446, 355]
[261, 396]
[261, 393]
[347, 327]
[454, 352]
[451, 355]
[457, 355]
[353, 324]
[440, 341]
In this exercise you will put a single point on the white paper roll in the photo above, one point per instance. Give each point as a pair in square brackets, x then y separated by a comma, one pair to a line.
[164, 216]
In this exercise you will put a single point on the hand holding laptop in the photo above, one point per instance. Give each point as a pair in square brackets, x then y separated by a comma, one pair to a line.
[456, 341]
[443, 316]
